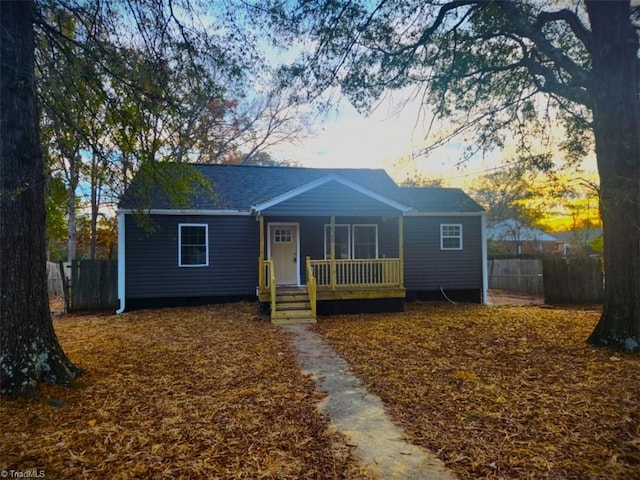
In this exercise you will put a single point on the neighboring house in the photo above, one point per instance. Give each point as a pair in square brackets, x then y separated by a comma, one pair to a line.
[578, 242]
[326, 239]
[514, 237]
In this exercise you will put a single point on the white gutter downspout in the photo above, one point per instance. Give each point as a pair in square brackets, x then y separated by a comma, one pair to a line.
[485, 273]
[121, 290]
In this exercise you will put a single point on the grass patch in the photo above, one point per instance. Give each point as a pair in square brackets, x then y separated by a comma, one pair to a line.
[500, 392]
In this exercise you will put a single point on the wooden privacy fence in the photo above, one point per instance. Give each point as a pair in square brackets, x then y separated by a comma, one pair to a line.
[516, 275]
[91, 285]
[575, 280]
[54, 280]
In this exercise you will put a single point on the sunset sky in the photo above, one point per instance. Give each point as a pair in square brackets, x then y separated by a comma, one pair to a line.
[347, 139]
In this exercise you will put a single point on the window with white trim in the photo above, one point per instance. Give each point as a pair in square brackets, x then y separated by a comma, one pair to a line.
[365, 241]
[450, 236]
[193, 245]
[342, 239]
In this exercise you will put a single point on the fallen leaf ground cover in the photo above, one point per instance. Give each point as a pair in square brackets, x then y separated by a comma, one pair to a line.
[210, 392]
[500, 392]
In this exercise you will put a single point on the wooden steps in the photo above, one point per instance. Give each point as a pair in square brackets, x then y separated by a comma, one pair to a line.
[292, 306]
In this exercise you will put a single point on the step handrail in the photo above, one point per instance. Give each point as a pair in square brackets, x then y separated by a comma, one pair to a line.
[311, 287]
[272, 283]
[272, 287]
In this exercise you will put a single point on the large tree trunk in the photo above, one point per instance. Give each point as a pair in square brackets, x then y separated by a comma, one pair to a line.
[29, 349]
[616, 115]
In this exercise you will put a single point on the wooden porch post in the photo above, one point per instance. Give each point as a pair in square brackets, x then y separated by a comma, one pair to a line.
[261, 279]
[261, 218]
[333, 253]
[401, 249]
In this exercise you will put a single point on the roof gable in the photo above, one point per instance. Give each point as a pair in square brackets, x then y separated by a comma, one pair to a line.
[331, 193]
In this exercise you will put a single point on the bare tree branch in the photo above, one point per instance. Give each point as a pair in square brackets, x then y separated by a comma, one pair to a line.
[552, 85]
[524, 27]
[577, 27]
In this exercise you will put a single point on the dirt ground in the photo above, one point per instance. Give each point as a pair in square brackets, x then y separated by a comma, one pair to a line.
[501, 298]
[56, 304]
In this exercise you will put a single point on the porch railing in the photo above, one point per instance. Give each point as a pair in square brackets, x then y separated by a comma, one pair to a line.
[336, 274]
[373, 272]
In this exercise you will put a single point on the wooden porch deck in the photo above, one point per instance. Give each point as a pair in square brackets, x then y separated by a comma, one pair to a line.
[326, 280]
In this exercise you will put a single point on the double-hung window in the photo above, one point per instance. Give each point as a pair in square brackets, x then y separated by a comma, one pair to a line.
[365, 241]
[351, 241]
[342, 240]
[450, 236]
[193, 245]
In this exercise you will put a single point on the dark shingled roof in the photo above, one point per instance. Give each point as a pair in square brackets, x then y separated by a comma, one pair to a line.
[436, 199]
[239, 187]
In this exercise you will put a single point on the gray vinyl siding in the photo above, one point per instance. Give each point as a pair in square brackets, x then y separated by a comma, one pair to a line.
[428, 268]
[151, 261]
[152, 270]
[331, 198]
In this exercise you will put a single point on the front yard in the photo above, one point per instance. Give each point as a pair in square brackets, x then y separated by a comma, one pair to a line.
[204, 392]
[502, 392]
[215, 392]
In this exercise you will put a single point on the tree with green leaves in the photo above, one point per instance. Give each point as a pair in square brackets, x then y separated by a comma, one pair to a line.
[114, 80]
[71, 111]
[55, 199]
[129, 101]
[498, 70]
[143, 90]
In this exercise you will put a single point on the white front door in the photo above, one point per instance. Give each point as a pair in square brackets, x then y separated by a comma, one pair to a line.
[283, 247]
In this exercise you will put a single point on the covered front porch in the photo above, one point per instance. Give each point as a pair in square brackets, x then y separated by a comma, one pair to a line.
[334, 278]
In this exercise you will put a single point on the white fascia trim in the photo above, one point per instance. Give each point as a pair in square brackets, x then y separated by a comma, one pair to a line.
[121, 253]
[485, 263]
[184, 211]
[444, 214]
[321, 181]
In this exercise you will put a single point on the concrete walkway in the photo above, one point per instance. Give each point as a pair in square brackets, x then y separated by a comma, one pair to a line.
[360, 415]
